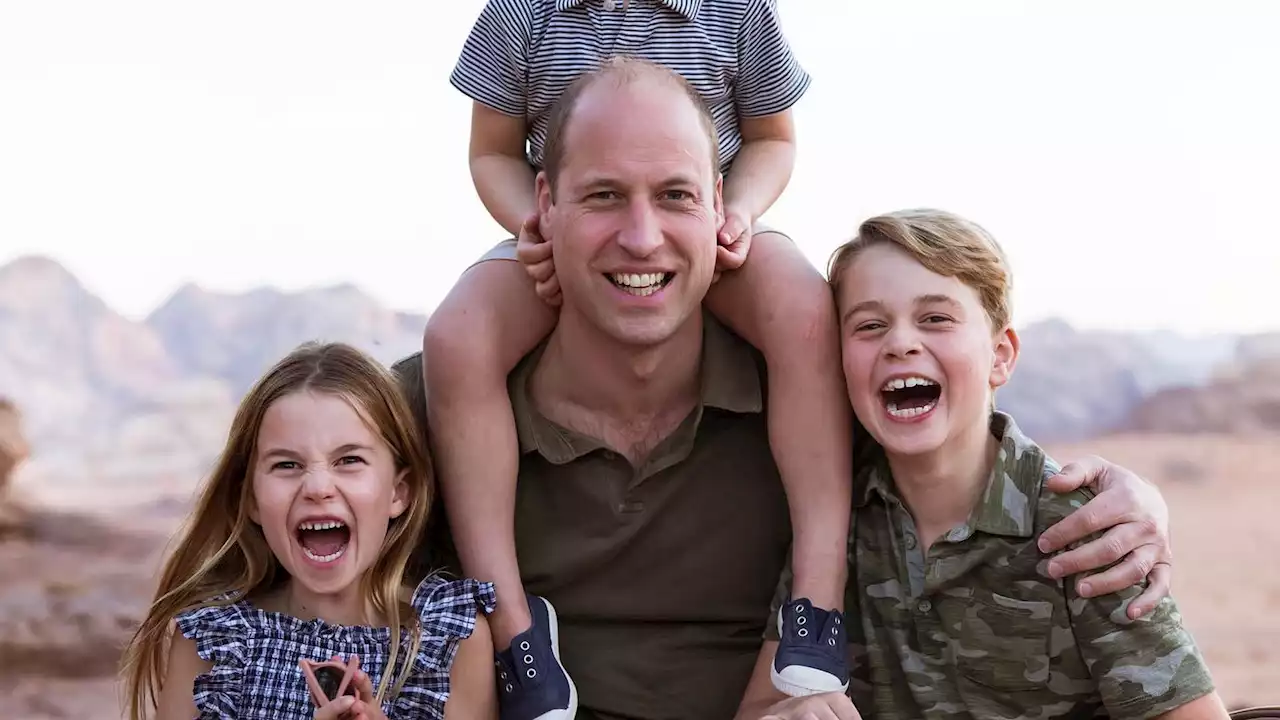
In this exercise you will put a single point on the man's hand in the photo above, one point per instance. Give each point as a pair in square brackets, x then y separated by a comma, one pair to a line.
[734, 238]
[1136, 520]
[827, 706]
[534, 252]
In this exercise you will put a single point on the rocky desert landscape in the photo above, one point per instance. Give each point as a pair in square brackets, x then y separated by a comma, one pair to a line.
[108, 424]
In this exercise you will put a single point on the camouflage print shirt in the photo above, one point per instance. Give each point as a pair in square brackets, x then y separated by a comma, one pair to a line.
[976, 628]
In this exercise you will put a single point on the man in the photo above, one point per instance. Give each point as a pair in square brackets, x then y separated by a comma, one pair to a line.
[649, 510]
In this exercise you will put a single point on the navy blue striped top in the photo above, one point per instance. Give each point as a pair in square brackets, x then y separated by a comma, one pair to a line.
[521, 54]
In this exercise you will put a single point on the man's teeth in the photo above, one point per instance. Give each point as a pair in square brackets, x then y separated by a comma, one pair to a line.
[900, 383]
[324, 558]
[639, 283]
[322, 525]
[910, 412]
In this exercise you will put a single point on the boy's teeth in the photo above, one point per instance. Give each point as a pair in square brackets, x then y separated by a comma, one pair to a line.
[900, 383]
[324, 525]
[910, 412]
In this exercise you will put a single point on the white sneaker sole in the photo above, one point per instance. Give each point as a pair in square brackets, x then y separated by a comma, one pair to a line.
[800, 681]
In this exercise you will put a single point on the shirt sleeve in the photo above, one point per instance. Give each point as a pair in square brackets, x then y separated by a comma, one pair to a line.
[770, 79]
[1144, 667]
[492, 68]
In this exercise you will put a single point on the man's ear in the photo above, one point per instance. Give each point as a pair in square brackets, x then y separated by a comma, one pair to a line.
[542, 190]
[1007, 347]
[719, 200]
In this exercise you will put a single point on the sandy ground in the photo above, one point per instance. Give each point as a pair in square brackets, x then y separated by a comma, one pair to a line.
[78, 574]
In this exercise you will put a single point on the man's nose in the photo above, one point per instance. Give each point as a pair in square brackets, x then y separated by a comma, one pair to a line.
[641, 234]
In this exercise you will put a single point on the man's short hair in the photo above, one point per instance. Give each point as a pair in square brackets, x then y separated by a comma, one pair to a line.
[623, 70]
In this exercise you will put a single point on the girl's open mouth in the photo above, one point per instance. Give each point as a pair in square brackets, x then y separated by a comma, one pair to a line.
[323, 540]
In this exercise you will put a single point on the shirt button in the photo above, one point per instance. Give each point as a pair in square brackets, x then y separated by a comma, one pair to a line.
[924, 606]
[911, 542]
[631, 506]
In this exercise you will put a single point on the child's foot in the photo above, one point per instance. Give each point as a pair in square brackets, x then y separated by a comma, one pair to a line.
[811, 655]
[532, 684]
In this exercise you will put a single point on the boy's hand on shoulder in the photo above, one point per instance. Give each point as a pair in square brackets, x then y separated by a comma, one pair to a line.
[734, 238]
[534, 252]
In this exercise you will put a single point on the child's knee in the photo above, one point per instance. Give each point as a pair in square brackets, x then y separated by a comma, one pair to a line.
[457, 340]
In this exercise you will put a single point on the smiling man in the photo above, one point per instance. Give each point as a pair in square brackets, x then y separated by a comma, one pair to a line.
[649, 510]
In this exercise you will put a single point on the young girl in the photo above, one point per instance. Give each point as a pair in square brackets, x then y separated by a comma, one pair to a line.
[297, 551]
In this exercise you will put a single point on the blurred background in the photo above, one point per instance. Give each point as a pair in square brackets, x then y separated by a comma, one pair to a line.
[187, 191]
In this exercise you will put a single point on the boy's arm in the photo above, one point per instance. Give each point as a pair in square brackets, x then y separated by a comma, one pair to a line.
[491, 70]
[502, 176]
[761, 169]
[769, 82]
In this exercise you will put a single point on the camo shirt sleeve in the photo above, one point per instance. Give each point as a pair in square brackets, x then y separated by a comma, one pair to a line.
[1144, 667]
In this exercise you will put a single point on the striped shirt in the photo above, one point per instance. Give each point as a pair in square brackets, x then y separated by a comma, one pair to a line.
[522, 54]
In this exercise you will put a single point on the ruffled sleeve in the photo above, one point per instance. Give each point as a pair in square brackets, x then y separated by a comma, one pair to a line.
[219, 632]
[447, 612]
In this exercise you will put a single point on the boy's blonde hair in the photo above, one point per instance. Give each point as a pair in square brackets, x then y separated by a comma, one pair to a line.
[221, 552]
[946, 244]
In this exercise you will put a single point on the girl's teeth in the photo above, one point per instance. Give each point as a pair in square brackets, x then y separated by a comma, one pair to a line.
[325, 558]
[326, 525]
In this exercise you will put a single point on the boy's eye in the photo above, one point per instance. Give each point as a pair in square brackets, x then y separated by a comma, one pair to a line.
[872, 325]
[937, 319]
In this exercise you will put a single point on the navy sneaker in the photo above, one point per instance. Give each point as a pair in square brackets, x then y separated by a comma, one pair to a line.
[532, 684]
[812, 652]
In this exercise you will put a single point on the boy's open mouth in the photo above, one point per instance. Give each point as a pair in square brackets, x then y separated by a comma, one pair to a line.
[907, 397]
[640, 284]
[323, 540]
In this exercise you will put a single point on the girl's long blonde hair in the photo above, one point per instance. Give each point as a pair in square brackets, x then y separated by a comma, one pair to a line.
[221, 551]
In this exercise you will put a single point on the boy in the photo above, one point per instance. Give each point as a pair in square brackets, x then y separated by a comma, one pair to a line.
[519, 57]
[958, 614]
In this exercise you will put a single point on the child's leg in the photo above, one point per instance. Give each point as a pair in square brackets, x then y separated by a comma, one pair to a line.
[779, 302]
[473, 340]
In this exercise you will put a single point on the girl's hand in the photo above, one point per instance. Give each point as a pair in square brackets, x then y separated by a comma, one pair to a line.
[365, 707]
[534, 252]
[338, 709]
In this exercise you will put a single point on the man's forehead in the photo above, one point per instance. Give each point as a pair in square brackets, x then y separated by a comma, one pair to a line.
[629, 130]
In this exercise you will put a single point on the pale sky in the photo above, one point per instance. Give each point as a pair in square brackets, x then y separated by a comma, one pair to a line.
[1127, 154]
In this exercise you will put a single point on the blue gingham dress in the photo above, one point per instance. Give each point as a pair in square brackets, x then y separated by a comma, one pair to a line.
[255, 654]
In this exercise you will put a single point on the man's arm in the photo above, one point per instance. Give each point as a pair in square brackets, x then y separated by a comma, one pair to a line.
[1135, 519]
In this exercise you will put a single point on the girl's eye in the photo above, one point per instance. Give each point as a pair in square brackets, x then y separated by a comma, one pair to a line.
[350, 460]
[285, 465]
[869, 326]
[937, 319]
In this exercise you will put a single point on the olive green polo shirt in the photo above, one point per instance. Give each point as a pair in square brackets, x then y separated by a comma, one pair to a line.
[974, 627]
[661, 574]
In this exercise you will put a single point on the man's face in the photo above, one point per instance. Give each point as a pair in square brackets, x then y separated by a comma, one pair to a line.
[635, 212]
